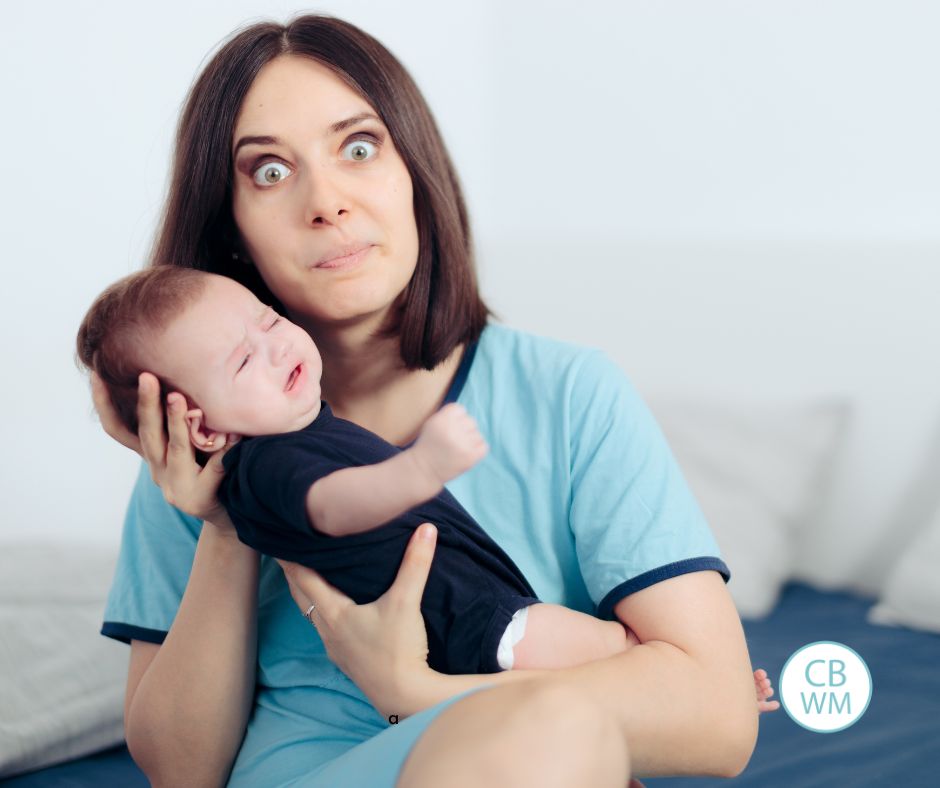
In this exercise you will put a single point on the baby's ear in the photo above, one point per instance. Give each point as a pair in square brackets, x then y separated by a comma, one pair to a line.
[203, 439]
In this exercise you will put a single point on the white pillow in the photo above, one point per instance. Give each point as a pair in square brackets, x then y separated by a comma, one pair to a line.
[911, 595]
[759, 471]
[61, 682]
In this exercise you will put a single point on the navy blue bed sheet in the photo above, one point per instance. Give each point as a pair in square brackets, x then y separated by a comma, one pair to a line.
[111, 768]
[895, 743]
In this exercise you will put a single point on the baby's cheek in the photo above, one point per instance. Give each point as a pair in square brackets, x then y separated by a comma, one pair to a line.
[244, 419]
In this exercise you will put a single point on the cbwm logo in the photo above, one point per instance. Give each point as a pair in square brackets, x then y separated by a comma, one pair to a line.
[825, 686]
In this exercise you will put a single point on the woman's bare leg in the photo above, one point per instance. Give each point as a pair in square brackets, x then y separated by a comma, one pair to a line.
[532, 734]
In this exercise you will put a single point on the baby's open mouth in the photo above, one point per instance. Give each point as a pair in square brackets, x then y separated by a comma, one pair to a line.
[295, 373]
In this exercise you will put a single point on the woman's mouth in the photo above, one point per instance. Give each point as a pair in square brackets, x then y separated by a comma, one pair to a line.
[343, 258]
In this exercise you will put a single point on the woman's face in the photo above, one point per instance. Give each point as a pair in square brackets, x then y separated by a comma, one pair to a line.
[322, 199]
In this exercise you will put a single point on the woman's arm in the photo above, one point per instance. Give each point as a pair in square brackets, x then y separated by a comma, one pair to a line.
[188, 701]
[702, 674]
[684, 697]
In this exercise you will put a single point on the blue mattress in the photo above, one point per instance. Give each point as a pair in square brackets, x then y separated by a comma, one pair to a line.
[103, 770]
[896, 742]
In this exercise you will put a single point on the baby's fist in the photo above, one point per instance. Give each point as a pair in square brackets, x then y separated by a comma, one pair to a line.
[450, 443]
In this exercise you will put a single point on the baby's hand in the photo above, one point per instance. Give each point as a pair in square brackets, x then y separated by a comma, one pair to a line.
[450, 443]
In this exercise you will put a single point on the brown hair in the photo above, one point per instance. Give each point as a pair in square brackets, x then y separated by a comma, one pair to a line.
[441, 306]
[120, 319]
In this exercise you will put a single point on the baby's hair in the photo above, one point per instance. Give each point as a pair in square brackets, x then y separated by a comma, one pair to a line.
[126, 315]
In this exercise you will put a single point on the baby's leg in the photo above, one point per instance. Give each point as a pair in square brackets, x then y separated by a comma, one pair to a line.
[764, 691]
[557, 637]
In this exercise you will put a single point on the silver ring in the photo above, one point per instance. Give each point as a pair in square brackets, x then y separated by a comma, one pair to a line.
[309, 614]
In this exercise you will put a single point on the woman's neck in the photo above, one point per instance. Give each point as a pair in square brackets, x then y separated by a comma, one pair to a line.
[366, 382]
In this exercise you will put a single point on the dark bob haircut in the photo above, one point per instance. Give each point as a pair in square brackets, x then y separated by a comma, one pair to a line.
[441, 306]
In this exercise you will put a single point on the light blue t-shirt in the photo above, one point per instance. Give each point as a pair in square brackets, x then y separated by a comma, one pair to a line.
[579, 488]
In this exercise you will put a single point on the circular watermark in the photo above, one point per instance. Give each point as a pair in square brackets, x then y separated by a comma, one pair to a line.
[825, 686]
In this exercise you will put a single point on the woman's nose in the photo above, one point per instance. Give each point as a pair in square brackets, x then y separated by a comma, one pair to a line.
[326, 202]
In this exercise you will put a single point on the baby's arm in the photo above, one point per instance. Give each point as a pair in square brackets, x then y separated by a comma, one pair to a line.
[358, 499]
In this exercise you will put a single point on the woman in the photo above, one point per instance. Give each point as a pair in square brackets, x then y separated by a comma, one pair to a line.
[309, 167]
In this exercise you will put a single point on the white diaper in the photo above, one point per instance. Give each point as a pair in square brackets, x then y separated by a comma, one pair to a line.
[513, 634]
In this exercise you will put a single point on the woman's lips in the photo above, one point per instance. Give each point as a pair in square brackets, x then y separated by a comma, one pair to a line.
[345, 258]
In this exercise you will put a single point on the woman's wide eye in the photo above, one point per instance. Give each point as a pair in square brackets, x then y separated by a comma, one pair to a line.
[271, 173]
[360, 150]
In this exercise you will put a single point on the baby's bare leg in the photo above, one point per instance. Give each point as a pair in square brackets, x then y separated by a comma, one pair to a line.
[764, 690]
[557, 637]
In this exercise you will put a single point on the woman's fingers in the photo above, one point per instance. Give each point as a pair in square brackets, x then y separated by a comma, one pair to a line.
[168, 451]
[308, 588]
[214, 466]
[297, 594]
[408, 587]
[107, 415]
[381, 645]
[179, 444]
[181, 466]
[150, 422]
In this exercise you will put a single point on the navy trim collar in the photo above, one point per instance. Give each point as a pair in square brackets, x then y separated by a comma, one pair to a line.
[463, 372]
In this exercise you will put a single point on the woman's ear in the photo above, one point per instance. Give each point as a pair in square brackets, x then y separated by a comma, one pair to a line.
[203, 439]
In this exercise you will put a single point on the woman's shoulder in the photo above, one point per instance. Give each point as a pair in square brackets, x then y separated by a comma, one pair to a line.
[500, 341]
[505, 353]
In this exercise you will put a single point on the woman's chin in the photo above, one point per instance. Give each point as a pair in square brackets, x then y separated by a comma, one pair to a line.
[353, 301]
[368, 318]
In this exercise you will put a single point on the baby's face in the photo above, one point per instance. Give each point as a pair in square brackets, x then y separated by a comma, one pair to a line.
[250, 371]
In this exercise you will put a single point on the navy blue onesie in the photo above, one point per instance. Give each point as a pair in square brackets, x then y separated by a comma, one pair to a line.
[473, 588]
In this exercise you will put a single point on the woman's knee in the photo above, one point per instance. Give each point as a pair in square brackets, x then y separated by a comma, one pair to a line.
[554, 717]
[570, 713]
[484, 733]
[555, 704]
[580, 740]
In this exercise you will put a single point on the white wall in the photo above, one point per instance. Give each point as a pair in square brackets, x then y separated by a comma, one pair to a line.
[729, 196]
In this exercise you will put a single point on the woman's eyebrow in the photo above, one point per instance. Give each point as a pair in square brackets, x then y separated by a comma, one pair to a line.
[263, 140]
[342, 125]
[335, 128]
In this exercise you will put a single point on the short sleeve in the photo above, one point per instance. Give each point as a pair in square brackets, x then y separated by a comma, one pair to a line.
[158, 545]
[634, 519]
[265, 489]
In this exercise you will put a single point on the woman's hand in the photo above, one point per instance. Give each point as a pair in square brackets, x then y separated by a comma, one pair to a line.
[171, 458]
[382, 646]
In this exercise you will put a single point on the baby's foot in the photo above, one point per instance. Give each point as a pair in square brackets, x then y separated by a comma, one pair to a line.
[764, 691]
